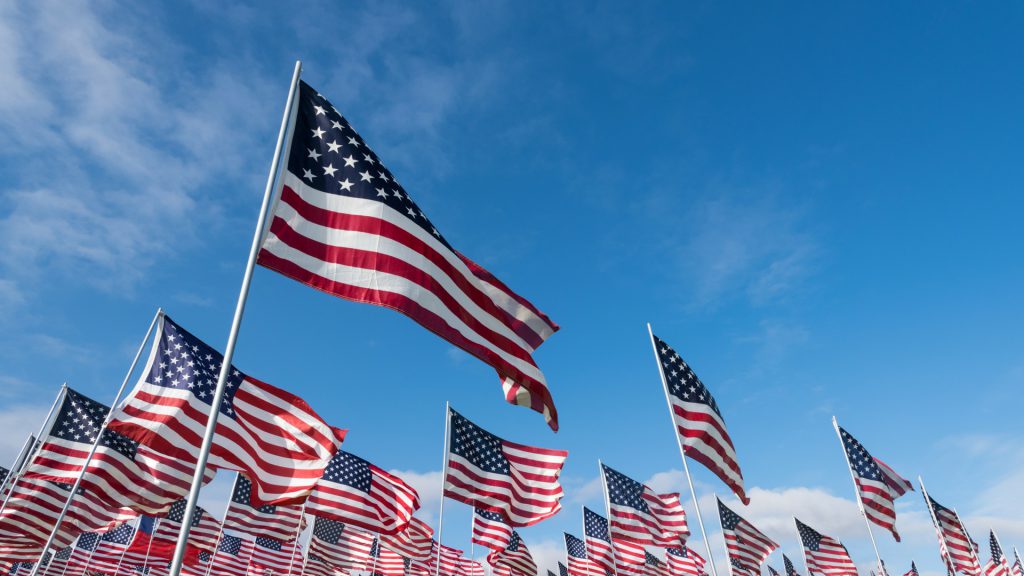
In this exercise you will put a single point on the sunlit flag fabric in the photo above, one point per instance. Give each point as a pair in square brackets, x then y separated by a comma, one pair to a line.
[384, 562]
[684, 561]
[773, 571]
[110, 550]
[414, 542]
[343, 225]
[232, 557]
[653, 566]
[472, 568]
[490, 529]
[270, 435]
[698, 420]
[747, 546]
[341, 546]
[317, 566]
[958, 546]
[518, 481]
[997, 564]
[515, 557]
[579, 563]
[878, 485]
[58, 565]
[790, 569]
[361, 494]
[825, 555]
[204, 534]
[448, 558]
[278, 522]
[600, 549]
[272, 557]
[640, 515]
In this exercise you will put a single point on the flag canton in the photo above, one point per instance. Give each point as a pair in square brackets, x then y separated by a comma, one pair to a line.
[243, 495]
[480, 447]
[119, 443]
[651, 559]
[574, 546]
[861, 461]
[327, 530]
[678, 552]
[939, 509]
[349, 470]
[683, 383]
[489, 515]
[185, 362]
[595, 525]
[513, 542]
[80, 418]
[176, 513]
[268, 543]
[3, 475]
[230, 545]
[997, 551]
[624, 491]
[88, 540]
[563, 570]
[63, 553]
[729, 518]
[375, 548]
[810, 537]
[328, 155]
[120, 535]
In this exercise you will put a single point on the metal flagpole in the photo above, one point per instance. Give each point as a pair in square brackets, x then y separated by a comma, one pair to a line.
[236, 322]
[970, 541]
[472, 528]
[444, 480]
[20, 465]
[12, 475]
[938, 529]
[608, 511]
[682, 453]
[96, 442]
[856, 496]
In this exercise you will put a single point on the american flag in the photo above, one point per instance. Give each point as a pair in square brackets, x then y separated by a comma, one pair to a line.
[272, 557]
[490, 529]
[385, 562]
[469, 567]
[997, 564]
[515, 557]
[57, 566]
[598, 540]
[343, 225]
[80, 559]
[825, 555]
[204, 534]
[579, 563]
[360, 494]
[747, 546]
[485, 471]
[698, 420]
[563, 570]
[954, 541]
[232, 557]
[653, 566]
[684, 561]
[279, 522]
[272, 436]
[788, 564]
[878, 485]
[913, 570]
[317, 566]
[343, 547]
[109, 553]
[773, 571]
[1018, 567]
[122, 472]
[640, 515]
[448, 557]
[414, 542]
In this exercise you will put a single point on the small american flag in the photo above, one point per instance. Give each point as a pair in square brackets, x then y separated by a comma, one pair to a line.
[317, 566]
[449, 558]
[773, 571]
[343, 225]
[360, 494]
[233, 556]
[414, 542]
[490, 529]
[518, 481]
[1018, 567]
[825, 555]
[788, 564]
[385, 562]
[204, 534]
[469, 567]
[997, 564]
[954, 542]
[747, 546]
[343, 547]
[653, 566]
[684, 561]
[169, 408]
[640, 515]
[698, 420]
[913, 570]
[279, 522]
[515, 557]
[579, 564]
[109, 551]
[598, 540]
[272, 557]
[877, 484]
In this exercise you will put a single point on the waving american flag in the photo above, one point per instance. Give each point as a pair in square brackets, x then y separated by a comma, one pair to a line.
[684, 561]
[640, 515]
[361, 494]
[341, 546]
[997, 564]
[877, 484]
[279, 522]
[825, 555]
[515, 557]
[415, 542]
[747, 546]
[490, 529]
[954, 542]
[579, 563]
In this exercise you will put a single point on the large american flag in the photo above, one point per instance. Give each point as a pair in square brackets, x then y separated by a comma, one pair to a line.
[698, 420]
[272, 436]
[579, 563]
[122, 472]
[341, 546]
[997, 564]
[490, 529]
[684, 561]
[414, 542]
[279, 522]
[825, 555]
[954, 542]
[640, 515]
[788, 564]
[515, 557]
[343, 225]
[878, 485]
[520, 482]
[360, 494]
[747, 546]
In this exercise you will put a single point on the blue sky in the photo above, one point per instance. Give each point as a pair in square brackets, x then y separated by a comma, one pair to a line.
[818, 207]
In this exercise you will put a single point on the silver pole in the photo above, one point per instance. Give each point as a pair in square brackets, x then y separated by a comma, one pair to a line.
[856, 496]
[444, 480]
[608, 511]
[236, 322]
[472, 528]
[34, 445]
[938, 529]
[96, 442]
[682, 453]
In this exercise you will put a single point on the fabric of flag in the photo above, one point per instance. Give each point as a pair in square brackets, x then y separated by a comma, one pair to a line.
[205, 531]
[270, 435]
[447, 557]
[640, 515]
[232, 557]
[579, 563]
[773, 571]
[343, 225]
[272, 557]
[121, 472]
[384, 562]
[997, 564]
[279, 522]
[361, 494]
[653, 566]
[684, 561]
[698, 420]
[747, 546]
[515, 557]
[317, 566]
[954, 541]
[788, 564]
[913, 570]
[490, 529]
[109, 550]
[1018, 568]
[414, 542]
[877, 484]
[469, 567]
[343, 547]
[518, 481]
[598, 540]
[825, 555]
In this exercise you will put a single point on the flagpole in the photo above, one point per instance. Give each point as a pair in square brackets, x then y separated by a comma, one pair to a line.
[236, 322]
[682, 453]
[608, 511]
[444, 480]
[472, 528]
[14, 473]
[856, 496]
[970, 541]
[938, 530]
[298, 533]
